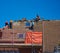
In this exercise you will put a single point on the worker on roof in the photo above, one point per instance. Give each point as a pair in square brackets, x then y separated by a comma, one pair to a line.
[6, 25]
[32, 25]
[10, 24]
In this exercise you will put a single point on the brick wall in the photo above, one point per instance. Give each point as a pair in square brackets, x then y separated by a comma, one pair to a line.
[50, 29]
[51, 36]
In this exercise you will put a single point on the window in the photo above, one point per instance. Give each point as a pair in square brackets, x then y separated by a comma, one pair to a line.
[21, 35]
[27, 24]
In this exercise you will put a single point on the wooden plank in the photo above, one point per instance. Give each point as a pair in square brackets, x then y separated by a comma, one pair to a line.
[17, 45]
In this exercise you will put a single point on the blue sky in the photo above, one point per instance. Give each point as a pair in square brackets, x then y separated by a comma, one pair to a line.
[17, 9]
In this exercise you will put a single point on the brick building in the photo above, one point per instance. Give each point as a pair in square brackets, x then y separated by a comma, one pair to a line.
[50, 29]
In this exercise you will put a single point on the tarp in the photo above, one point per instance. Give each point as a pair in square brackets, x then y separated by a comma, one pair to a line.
[33, 38]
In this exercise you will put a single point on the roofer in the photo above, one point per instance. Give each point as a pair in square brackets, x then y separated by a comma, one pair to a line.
[10, 24]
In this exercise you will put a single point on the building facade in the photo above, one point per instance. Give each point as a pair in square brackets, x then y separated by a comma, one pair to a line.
[50, 30]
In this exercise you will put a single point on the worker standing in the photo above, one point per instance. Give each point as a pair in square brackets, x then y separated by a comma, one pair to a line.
[10, 24]
[32, 25]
